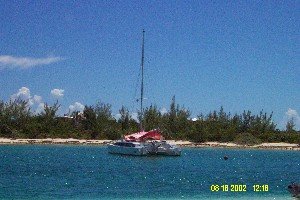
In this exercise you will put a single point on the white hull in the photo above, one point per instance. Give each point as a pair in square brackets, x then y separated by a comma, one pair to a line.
[135, 151]
[169, 152]
[141, 149]
[163, 148]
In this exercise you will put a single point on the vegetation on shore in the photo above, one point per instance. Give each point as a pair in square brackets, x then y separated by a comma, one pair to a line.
[97, 122]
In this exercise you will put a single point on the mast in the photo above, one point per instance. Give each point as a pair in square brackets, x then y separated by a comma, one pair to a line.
[142, 84]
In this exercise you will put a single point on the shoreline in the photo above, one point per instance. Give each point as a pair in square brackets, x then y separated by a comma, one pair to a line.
[272, 146]
[181, 143]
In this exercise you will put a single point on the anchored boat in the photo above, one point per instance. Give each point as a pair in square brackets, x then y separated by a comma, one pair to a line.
[143, 143]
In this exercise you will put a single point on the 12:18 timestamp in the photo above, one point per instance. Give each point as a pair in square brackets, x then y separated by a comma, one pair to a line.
[260, 188]
[238, 188]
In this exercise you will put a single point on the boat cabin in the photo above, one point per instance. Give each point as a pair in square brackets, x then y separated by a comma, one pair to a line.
[126, 144]
[143, 136]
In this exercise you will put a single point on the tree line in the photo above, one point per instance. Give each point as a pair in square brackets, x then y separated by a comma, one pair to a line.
[97, 122]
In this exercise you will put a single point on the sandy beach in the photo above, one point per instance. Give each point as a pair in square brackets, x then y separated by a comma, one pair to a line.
[182, 143]
[52, 141]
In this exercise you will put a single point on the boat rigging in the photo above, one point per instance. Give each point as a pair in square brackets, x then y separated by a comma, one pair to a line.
[142, 82]
[143, 143]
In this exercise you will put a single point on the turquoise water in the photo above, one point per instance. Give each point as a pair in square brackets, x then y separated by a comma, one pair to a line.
[89, 172]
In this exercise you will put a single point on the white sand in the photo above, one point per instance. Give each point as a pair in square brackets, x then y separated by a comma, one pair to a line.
[281, 144]
[230, 144]
[51, 141]
[179, 142]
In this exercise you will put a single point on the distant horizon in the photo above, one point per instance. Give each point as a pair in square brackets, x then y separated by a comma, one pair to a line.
[239, 55]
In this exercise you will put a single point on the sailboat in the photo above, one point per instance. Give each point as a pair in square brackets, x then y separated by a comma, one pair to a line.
[143, 143]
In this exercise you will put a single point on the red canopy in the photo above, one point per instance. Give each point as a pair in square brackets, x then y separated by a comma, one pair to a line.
[141, 136]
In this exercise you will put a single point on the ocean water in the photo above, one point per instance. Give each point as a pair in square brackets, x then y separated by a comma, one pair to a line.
[89, 172]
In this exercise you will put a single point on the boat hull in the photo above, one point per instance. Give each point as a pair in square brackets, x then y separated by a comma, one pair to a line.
[135, 151]
[144, 148]
[169, 152]
[163, 148]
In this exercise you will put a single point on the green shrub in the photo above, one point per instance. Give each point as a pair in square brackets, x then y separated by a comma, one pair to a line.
[246, 139]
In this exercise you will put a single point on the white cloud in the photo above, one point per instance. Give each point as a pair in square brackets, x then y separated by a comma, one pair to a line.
[292, 114]
[34, 102]
[24, 94]
[40, 108]
[57, 93]
[194, 119]
[7, 61]
[117, 116]
[135, 116]
[76, 107]
[37, 99]
[163, 111]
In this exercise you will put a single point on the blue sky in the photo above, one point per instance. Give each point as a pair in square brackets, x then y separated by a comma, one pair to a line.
[242, 55]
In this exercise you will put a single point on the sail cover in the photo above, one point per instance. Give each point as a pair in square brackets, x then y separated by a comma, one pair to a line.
[141, 136]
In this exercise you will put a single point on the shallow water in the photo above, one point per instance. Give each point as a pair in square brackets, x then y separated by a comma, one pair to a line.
[89, 172]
